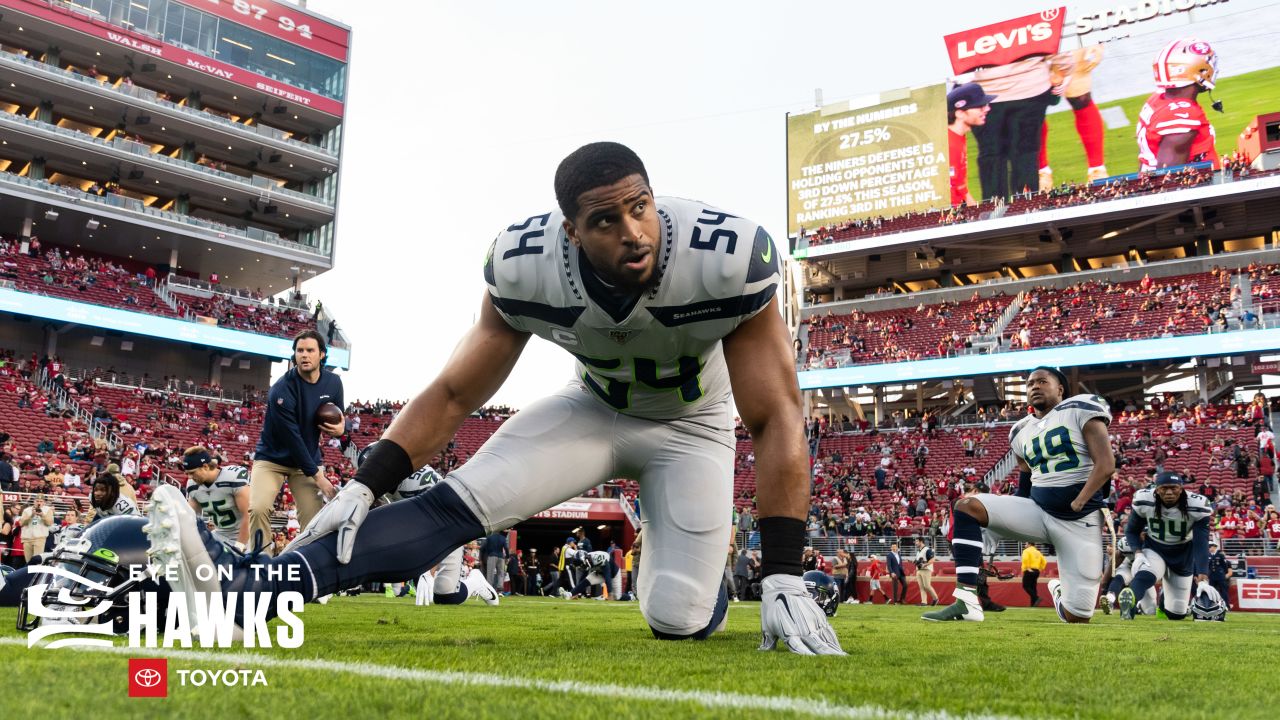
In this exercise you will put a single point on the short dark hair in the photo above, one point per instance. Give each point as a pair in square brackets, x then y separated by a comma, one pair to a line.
[1062, 378]
[314, 335]
[591, 166]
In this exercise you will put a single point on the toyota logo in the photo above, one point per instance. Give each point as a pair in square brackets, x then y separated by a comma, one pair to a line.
[1049, 15]
[147, 677]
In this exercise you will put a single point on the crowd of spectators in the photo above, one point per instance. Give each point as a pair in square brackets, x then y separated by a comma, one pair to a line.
[103, 281]
[1065, 195]
[888, 481]
[1085, 312]
[1095, 311]
[61, 273]
[929, 330]
[263, 318]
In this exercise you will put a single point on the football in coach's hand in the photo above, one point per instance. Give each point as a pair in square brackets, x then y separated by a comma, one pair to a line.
[329, 414]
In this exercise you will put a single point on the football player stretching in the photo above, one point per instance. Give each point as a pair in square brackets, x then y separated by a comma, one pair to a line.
[666, 304]
[1066, 460]
[1176, 546]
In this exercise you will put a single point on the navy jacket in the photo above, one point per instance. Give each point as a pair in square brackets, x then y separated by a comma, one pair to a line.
[290, 435]
[895, 563]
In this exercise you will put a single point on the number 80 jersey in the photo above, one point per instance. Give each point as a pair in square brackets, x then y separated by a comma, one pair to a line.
[660, 358]
[1054, 447]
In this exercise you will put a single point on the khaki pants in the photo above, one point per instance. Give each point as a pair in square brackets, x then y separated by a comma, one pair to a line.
[32, 547]
[925, 580]
[264, 485]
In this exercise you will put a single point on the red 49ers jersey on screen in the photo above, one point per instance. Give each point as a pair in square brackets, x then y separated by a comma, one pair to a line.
[1164, 116]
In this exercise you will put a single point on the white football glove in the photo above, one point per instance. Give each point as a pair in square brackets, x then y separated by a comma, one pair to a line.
[343, 515]
[788, 613]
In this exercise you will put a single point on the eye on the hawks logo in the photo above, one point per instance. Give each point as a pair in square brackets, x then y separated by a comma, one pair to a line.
[1200, 47]
[1050, 15]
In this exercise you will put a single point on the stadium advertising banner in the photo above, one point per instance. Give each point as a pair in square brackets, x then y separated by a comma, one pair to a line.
[150, 46]
[1004, 42]
[1258, 594]
[883, 157]
[282, 21]
[1092, 92]
[156, 326]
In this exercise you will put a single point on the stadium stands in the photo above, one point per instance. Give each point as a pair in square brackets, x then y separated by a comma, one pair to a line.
[1066, 195]
[58, 272]
[1091, 311]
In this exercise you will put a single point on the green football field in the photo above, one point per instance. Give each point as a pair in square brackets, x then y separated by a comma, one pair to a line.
[373, 657]
[1244, 97]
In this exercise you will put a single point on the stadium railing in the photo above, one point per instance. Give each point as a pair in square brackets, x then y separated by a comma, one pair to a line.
[867, 545]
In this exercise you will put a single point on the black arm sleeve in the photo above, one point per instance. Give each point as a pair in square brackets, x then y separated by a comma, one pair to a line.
[1200, 547]
[1133, 530]
[1024, 484]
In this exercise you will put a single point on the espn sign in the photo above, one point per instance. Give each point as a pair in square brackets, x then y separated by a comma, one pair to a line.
[1258, 594]
[1002, 43]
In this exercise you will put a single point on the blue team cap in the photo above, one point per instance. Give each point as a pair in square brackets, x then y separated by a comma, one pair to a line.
[195, 461]
[1170, 477]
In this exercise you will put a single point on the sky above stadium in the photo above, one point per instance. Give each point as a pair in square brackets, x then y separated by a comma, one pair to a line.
[459, 112]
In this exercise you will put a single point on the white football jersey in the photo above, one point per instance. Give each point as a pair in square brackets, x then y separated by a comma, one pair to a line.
[662, 358]
[1054, 447]
[217, 500]
[1170, 526]
[122, 506]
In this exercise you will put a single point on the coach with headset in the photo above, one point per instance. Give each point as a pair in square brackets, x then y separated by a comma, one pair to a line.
[288, 449]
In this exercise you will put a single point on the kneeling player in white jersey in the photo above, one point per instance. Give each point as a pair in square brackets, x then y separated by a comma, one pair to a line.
[107, 500]
[1066, 459]
[445, 584]
[1176, 548]
[666, 304]
[220, 493]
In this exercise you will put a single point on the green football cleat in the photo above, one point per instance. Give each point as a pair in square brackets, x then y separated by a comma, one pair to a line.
[1127, 604]
[966, 607]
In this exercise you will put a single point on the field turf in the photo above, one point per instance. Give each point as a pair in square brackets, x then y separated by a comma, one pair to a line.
[1244, 97]
[373, 656]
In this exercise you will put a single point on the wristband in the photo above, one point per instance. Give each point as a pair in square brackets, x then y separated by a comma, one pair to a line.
[385, 465]
[781, 546]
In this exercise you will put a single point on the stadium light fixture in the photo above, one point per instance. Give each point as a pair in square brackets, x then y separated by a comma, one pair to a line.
[1109, 235]
[92, 224]
[51, 214]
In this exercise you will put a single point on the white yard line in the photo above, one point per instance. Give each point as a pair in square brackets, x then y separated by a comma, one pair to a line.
[705, 698]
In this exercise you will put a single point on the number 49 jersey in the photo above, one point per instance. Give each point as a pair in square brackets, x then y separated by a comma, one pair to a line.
[1054, 447]
[660, 358]
[217, 500]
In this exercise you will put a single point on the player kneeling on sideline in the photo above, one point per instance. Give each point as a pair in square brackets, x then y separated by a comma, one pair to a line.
[445, 585]
[1065, 455]
[1176, 547]
[667, 304]
[220, 493]
[598, 570]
